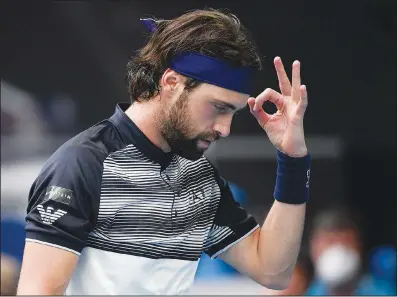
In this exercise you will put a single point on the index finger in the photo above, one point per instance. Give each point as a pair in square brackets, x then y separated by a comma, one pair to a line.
[271, 96]
[284, 83]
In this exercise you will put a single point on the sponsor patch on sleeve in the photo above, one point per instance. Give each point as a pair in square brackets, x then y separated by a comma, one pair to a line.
[58, 194]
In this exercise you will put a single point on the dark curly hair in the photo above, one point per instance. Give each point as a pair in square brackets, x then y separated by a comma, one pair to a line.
[216, 33]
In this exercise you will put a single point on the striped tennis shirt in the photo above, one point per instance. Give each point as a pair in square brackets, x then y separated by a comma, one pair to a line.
[138, 218]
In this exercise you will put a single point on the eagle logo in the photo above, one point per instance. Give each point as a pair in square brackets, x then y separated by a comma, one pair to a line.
[49, 216]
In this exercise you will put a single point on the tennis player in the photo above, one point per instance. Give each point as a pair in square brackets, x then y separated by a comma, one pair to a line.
[129, 205]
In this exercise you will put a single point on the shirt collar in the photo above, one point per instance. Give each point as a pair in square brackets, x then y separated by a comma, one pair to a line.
[131, 134]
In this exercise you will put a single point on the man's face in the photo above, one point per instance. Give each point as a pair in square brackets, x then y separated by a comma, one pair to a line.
[196, 118]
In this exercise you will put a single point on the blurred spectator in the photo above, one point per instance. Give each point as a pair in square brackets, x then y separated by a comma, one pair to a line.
[336, 249]
[23, 129]
[7, 123]
[23, 115]
[9, 275]
[301, 278]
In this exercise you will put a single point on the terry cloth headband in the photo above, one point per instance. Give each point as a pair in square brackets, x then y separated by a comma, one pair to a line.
[209, 69]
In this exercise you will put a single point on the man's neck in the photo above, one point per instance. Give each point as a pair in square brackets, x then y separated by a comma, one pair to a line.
[145, 116]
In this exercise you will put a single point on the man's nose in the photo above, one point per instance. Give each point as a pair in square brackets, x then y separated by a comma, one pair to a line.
[223, 128]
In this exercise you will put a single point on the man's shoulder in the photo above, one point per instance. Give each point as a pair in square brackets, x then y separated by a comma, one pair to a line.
[89, 147]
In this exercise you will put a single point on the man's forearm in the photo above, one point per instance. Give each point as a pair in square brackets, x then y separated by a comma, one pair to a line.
[280, 240]
[40, 290]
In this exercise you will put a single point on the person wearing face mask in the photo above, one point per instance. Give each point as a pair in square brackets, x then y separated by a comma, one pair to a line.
[336, 248]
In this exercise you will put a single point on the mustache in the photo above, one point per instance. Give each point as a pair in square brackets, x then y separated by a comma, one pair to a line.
[210, 137]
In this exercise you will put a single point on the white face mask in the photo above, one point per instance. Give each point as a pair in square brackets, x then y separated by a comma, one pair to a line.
[337, 265]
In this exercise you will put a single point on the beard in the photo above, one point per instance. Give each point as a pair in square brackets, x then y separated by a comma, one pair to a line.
[178, 131]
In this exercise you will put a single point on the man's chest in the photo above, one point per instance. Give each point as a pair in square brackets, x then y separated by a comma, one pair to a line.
[144, 207]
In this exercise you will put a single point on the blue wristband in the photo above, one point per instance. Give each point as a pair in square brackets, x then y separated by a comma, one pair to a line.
[292, 179]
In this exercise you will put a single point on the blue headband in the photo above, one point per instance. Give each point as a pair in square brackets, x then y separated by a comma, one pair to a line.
[213, 71]
[208, 69]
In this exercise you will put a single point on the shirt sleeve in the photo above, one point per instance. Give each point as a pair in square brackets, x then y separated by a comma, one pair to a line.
[231, 224]
[64, 199]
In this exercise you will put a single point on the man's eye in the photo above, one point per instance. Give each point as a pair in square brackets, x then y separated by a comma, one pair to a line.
[221, 109]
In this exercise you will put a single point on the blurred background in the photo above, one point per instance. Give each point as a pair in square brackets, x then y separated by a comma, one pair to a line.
[62, 70]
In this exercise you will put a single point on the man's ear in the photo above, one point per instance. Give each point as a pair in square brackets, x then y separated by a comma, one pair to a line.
[170, 81]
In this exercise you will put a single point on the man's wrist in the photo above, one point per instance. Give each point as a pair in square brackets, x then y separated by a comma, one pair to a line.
[298, 153]
[292, 181]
